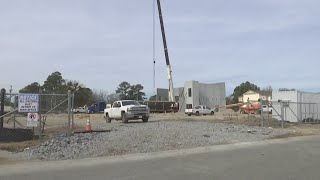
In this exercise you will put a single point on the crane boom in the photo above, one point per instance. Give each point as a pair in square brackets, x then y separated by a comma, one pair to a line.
[169, 71]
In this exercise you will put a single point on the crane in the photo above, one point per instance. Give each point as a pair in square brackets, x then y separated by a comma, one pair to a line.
[169, 70]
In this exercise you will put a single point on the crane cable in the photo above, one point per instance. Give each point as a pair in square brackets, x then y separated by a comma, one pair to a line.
[154, 47]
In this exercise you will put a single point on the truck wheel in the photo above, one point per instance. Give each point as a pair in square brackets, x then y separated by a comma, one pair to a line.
[108, 119]
[145, 119]
[197, 113]
[124, 118]
[212, 113]
[189, 114]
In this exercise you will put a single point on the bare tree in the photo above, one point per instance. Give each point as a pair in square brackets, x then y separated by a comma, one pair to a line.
[100, 95]
[111, 98]
[268, 88]
[286, 89]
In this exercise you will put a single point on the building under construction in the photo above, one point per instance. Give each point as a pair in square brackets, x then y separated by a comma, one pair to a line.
[194, 93]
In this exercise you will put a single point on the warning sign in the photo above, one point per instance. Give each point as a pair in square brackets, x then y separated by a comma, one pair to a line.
[28, 103]
[33, 120]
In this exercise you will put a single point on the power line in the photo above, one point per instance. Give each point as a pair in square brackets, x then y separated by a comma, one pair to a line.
[154, 47]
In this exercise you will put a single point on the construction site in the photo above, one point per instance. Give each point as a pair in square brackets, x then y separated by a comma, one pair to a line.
[47, 126]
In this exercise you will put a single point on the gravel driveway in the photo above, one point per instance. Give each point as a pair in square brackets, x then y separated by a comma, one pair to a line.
[148, 137]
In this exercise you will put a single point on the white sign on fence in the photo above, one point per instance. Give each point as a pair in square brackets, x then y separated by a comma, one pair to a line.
[28, 103]
[33, 120]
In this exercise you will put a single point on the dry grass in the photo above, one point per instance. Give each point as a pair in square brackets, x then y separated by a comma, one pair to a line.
[18, 146]
[294, 129]
[230, 118]
[254, 121]
[306, 129]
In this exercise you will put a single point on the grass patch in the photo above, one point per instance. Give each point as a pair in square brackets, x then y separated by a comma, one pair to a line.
[18, 146]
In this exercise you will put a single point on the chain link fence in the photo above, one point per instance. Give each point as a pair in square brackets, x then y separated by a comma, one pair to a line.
[296, 112]
[55, 117]
[283, 113]
[277, 114]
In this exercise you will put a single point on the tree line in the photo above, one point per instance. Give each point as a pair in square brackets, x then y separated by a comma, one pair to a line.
[243, 88]
[56, 84]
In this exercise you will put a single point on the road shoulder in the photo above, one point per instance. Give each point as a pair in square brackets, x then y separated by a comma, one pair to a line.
[40, 166]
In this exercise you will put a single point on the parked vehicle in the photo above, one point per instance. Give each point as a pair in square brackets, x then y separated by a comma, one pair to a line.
[250, 108]
[83, 109]
[161, 106]
[127, 110]
[267, 109]
[199, 110]
[97, 107]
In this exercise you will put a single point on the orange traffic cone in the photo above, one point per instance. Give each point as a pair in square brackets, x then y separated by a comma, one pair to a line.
[88, 126]
[71, 125]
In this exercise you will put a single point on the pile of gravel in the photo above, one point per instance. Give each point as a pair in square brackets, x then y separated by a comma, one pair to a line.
[148, 137]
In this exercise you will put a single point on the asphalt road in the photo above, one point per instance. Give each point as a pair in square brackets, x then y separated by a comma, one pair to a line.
[292, 159]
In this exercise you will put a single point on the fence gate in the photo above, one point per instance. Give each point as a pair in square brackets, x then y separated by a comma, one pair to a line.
[53, 117]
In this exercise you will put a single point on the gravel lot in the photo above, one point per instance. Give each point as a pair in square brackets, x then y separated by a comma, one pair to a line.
[154, 136]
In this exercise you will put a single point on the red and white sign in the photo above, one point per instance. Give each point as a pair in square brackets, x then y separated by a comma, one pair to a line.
[33, 120]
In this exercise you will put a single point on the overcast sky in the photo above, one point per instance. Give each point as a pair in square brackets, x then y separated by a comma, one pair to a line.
[104, 42]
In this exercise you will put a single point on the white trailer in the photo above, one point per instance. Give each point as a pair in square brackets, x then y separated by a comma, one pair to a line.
[297, 106]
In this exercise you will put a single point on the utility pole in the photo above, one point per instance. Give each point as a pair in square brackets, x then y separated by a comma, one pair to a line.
[154, 47]
[2, 98]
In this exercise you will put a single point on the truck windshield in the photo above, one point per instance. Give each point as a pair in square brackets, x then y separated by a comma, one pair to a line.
[126, 103]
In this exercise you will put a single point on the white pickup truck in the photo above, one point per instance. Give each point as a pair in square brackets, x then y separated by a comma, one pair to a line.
[199, 110]
[83, 109]
[127, 110]
[267, 109]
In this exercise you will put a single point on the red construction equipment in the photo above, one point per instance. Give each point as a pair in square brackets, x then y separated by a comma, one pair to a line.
[251, 108]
